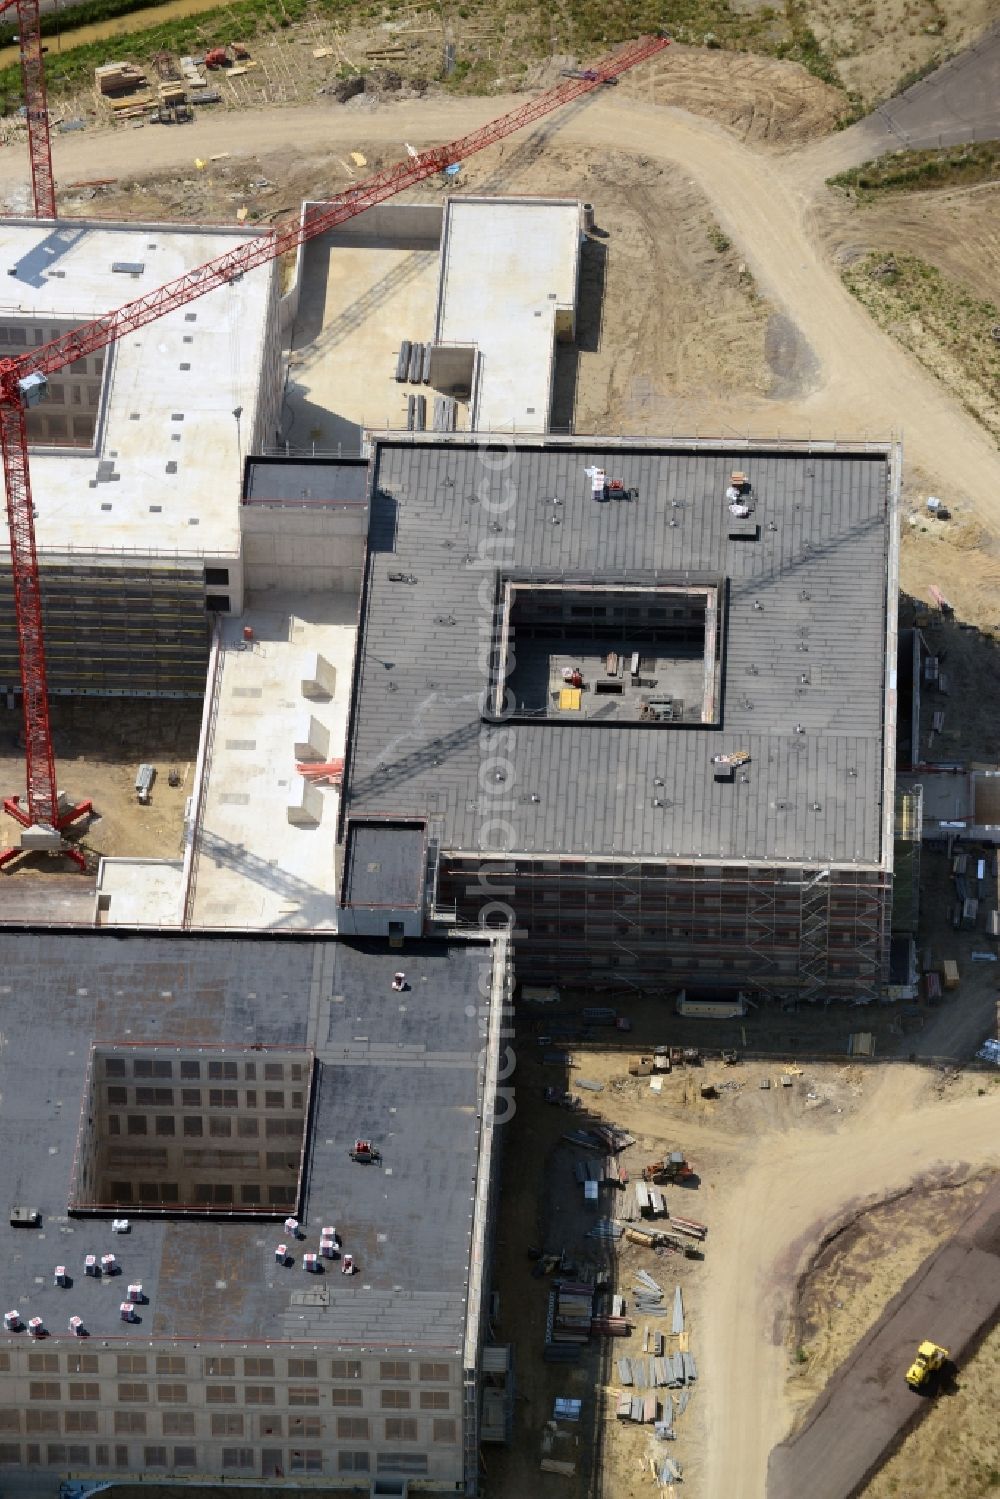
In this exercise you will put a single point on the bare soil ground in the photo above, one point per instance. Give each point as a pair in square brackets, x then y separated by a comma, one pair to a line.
[952, 1298]
[953, 231]
[959, 1438]
[99, 746]
[864, 1262]
[760, 99]
[876, 44]
[843, 1292]
[939, 322]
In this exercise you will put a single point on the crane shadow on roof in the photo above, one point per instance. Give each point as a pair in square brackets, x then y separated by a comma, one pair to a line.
[32, 267]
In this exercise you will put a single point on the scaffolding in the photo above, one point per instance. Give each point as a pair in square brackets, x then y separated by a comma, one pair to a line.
[802, 934]
[906, 862]
[137, 630]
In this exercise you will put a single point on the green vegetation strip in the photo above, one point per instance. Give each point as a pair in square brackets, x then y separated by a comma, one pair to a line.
[953, 334]
[60, 22]
[582, 28]
[74, 66]
[919, 171]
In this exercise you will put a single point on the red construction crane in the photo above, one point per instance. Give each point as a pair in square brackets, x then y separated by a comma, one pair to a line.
[23, 382]
[29, 41]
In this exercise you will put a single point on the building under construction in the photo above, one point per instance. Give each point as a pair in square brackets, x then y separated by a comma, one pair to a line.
[204, 1280]
[642, 698]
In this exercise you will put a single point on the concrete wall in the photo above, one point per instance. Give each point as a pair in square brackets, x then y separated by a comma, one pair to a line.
[402, 226]
[453, 369]
[309, 549]
[270, 378]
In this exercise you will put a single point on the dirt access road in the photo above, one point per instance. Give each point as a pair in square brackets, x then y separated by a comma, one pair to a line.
[951, 1298]
[764, 201]
[954, 104]
[791, 1190]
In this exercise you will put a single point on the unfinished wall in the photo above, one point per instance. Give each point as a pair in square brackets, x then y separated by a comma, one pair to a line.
[270, 377]
[109, 630]
[401, 226]
[309, 549]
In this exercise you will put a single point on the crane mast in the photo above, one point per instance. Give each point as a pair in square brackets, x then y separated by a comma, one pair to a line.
[23, 380]
[29, 41]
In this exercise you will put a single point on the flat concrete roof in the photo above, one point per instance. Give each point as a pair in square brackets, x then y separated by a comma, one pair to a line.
[134, 892]
[401, 1070]
[507, 265]
[384, 864]
[252, 868]
[174, 386]
[305, 481]
[805, 685]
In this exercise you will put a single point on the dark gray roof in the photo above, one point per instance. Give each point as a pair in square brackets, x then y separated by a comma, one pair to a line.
[305, 481]
[384, 864]
[401, 1069]
[445, 517]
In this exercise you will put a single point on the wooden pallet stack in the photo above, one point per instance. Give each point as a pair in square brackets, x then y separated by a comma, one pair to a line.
[116, 79]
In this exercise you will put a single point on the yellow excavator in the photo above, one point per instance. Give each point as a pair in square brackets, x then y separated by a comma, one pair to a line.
[927, 1366]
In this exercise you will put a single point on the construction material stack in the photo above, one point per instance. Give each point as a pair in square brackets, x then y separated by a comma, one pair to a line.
[568, 1326]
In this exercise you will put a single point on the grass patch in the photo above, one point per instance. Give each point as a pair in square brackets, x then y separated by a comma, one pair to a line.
[954, 334]
[921, 171]
[73, 67]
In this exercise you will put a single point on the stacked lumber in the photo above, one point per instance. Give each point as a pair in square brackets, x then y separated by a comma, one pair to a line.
[117, 78]
[572, 1312]
[610, 1327]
